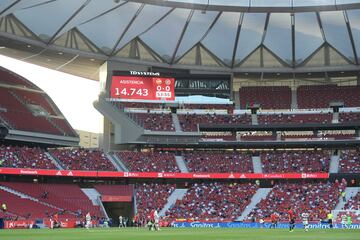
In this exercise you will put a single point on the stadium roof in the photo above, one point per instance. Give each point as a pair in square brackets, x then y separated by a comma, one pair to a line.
[238, 36]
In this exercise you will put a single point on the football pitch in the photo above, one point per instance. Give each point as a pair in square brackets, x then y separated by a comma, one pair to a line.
[179, 234]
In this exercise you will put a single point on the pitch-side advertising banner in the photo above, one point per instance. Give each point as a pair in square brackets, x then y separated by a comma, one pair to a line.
[251, 225]
[104, 174]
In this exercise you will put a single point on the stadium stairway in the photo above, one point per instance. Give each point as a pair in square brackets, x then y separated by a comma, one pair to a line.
[254, 119]
[177, 194]
[294, 104]
[236, 99]
[120, 163]
[55, 161]
[176, 122]
[114, 162]
[256, 161]
[181, 164]
[94, 196]
[350, 192]
[335, 117]
[25, 196]
[260, 194]
[334, 164]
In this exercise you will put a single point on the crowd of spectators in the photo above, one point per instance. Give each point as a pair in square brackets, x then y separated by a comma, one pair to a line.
[219, 162]
[149, 161]
[83, 159]
[317, 199]
[151, 196]
[349, 161]
[24, 157]
[154, 121]
[213, 201]
[295, 161]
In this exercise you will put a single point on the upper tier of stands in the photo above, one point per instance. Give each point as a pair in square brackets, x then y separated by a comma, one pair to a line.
[213, 201]
[10, 78]
[22, 103]
[298, 161]
[320, 96]
[349, 161]
[149, 161]
[83, 159]
[318, 199]
[218, 162]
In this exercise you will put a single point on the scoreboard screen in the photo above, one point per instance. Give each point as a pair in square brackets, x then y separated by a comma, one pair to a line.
[151, 88]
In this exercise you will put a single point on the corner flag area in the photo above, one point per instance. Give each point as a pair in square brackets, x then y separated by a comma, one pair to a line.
[180, 234]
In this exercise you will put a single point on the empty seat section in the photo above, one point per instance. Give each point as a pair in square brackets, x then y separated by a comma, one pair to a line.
[320, 96]
[276, 97]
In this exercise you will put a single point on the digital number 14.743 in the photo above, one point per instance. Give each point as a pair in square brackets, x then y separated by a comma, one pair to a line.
[131, 92]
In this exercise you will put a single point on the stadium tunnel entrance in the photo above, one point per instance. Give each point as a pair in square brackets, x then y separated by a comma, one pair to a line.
[116, 209]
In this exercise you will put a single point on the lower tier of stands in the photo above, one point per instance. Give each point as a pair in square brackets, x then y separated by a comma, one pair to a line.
[317, 199]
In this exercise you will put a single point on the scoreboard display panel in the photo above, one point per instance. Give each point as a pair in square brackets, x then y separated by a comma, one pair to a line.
[150, 88]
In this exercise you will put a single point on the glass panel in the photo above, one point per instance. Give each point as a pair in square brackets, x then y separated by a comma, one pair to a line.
[224, 29]
[308, 35]
[278, 36]
[190, 1]
[251, 34]
[267, 3]
[336, 32]
[237, 3]
[44, 20]
[22, 4]
[164, 36]
[338, 2]
[105, 31]
[4, 4]
[90, 11]
[354, 19]
[195, 30]
[147, 17]
[304, 3]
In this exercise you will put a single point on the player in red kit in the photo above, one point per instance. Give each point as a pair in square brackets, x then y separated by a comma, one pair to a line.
[291, 215]
[152, 220]
[274, 219]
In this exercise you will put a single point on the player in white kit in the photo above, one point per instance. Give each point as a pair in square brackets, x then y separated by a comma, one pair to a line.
[88, 220]
[157, 219]
[305, 221]
[344, 221]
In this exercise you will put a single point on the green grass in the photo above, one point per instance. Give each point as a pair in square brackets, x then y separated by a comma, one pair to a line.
[177, 234]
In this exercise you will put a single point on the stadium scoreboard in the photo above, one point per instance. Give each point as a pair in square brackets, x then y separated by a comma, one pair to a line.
[149, 86]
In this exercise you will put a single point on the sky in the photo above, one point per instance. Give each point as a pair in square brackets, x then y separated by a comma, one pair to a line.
[73, 95]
